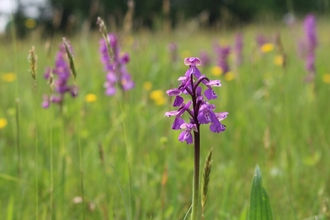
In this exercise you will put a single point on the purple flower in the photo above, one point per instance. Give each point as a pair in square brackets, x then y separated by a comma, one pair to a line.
[115, 66]
[222, 57]
[46, 101]
[186, 135]
[310, 31]
[192, 62]
[197, 108]
[307, 46]
[59, 78]
[310, 61]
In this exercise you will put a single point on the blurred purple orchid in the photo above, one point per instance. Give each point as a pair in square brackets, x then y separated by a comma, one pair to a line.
[58, 78]
[222, 57]
[307, 46]
[115, 66]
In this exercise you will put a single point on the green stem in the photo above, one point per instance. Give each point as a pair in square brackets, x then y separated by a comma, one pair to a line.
[18, 147]
[129, 215]
[19, 165]
[81, 179]
[51, 158]
[36, 150]
[81, 169]
[18, 144]
[37, 181]
[195, 193]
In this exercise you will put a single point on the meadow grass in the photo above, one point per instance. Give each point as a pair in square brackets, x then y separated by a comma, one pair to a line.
[133, 165]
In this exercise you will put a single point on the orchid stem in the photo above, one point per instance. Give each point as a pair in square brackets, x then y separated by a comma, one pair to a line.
[195, 193]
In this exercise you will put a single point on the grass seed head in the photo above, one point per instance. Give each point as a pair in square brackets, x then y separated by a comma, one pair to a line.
[206, 178]
[32, 58]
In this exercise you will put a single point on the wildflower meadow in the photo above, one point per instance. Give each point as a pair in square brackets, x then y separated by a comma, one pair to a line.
[167, 125]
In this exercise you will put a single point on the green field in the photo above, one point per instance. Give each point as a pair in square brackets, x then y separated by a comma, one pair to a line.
[123, 151]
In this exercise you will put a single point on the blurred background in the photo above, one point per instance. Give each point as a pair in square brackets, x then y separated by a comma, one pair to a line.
[69, 17]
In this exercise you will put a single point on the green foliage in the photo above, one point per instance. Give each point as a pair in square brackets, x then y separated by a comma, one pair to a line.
[260, 208]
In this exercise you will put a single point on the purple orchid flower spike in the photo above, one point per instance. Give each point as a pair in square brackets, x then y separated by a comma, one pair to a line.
[199, 112]
[198, 109]
[222, 57]
[310, 31]
[58, 78]
[308, 45]
[115, 66]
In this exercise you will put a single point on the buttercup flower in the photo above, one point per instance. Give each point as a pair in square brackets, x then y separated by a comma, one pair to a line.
[158, 97]
[266, 48]
[216, 71]
[3, 123]
[8, 77]
[90, 97]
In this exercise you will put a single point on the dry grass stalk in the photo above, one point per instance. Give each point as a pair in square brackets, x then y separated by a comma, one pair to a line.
[32, 58]
[206, 179]
[70, 56]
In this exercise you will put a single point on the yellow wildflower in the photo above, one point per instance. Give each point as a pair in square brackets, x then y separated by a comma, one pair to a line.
[267, 48]
[147, 86]
[30, 23]
[156, 94]
[8, 77]
[278, 60]
[160, 101]
[3, 123]
[216, 71]
[326, 78]
[229, 76]
[90, 97]
[158, 97]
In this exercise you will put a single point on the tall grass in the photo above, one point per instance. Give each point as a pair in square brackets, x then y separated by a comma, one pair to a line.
[275, 120]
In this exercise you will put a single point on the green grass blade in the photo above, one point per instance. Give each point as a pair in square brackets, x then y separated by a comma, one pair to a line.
[260, 208]
[187, 213]
[10, 209]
